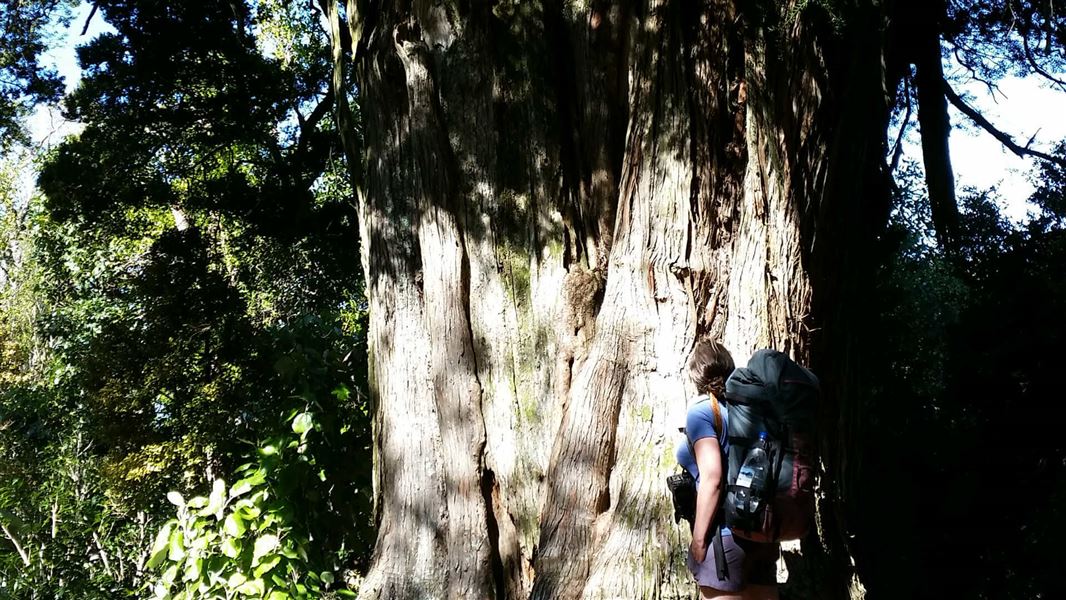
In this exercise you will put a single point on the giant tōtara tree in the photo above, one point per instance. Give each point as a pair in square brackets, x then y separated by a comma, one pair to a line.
[558, 198]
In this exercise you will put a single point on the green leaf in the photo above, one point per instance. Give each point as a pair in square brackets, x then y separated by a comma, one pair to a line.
[193, 569]
[241, 487]
[327, 577]
[289, 553]
[231, 548]
[266, 565]
[176, 499]
[235, 580]
[159, 548]
[250, 512]
[254, 587]
[177, 546]
[302, 423]
[197, 502]
[347, 594]
[217, 501]
[203, 541]
[278, 595]
[263, 546]
[234, 525]
[169, 575]
[341, 392]
[254, 480]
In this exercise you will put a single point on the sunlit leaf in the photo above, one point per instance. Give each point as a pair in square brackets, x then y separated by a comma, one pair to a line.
[177, 545]
[264, 545]
[231, 548]
[254, 587]
[266, 564]
[241, 487]
[235, 580]
[170, 575]
[234, 525]
[302, 423]
[217, 500]
[193, 568]
[159, 548]
[245, 485]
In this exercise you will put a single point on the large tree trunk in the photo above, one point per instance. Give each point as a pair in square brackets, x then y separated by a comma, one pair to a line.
[557, 199]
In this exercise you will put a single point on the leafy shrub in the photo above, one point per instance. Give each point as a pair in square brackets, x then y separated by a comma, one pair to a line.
[251, 539]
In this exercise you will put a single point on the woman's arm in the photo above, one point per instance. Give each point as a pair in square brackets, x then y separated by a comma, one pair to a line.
[709, 460]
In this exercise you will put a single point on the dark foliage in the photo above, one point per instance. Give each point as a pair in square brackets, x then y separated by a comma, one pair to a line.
[966, 467]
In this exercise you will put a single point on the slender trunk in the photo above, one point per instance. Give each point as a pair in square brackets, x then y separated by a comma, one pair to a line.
[934, 122]
[16, 542]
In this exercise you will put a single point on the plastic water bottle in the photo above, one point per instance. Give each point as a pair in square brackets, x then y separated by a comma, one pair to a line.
[751, 480]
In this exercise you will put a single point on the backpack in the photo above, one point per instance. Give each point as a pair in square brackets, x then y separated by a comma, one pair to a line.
[776, 395]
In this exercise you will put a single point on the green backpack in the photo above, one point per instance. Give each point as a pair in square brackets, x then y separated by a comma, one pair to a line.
[775, 395]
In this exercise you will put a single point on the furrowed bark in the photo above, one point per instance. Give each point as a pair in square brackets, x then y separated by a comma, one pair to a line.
[479, 228]
[590, 61]
[419, 280]
[648, 303]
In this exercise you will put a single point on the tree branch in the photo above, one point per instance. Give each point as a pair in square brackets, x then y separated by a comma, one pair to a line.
[15, 542]
[1036, 67]
[1003, 138]
[103, 554]
[992, 88]
[339, 38]
[307, 126]
[89, 19]
[897, 152]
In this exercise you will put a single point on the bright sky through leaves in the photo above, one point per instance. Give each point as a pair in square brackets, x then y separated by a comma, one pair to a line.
[1026, 107]
[1022, 107]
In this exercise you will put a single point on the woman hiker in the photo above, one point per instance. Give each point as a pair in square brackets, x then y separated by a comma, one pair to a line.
[725, 567]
